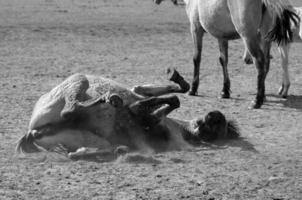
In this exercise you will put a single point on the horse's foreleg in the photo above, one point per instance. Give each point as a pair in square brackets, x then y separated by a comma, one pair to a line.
[156, 90]
[283, 90]
[149, 105]
[197, 35]
[253, 45]
[223, 59]
[150, 111]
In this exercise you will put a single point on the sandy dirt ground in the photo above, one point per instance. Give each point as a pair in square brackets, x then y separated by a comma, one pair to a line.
[133, 42]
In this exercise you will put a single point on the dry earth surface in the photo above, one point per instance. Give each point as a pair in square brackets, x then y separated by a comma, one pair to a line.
[133, 42]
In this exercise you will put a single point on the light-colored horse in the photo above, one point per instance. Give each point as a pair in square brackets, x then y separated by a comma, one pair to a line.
[85, 112]
[233, 19]
[284, 53]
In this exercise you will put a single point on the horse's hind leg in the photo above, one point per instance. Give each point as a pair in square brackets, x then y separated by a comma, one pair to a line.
[181, 86]
[223, 48]
[283, 91]
[253, 45]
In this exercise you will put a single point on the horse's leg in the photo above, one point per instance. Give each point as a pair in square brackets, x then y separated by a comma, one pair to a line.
[266, 47]
[155, 90]
[283, 90]
[247, 18]
[150, 111]
[253, 44]
[149, 105]
[223, 59]
[86, 153]
[197, 34]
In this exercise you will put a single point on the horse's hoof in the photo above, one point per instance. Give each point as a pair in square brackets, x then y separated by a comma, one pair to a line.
[77, 154]
[283, 90]
[255, 105]
[192, 93]
[173, 75]
[225, 95]
[185, 86]
[284, 96]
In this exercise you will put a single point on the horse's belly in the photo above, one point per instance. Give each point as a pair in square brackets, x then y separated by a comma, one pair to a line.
[215, 18]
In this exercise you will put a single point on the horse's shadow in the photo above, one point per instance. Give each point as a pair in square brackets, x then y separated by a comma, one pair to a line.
[240, 142]
[292, 101]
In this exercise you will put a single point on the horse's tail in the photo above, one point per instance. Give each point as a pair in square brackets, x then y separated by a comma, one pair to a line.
[233, 131]
[283, 15]
[26, 144]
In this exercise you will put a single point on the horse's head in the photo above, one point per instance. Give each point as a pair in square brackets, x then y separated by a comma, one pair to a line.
[159, 1]
[215, 126]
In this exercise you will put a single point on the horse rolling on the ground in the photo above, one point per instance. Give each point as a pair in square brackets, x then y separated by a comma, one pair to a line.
[234, 19]
[85, 112]
[284, 51]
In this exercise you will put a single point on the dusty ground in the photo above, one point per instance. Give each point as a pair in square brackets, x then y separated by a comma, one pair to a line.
[133, 42]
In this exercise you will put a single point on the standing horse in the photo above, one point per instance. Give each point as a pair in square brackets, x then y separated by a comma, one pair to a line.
[283, 49]
[234, 19]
